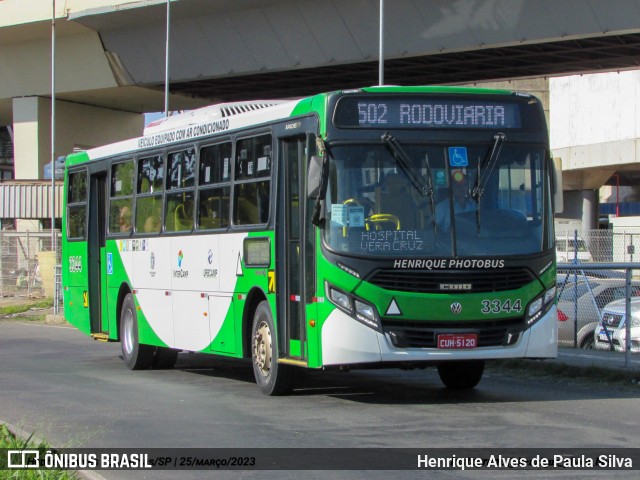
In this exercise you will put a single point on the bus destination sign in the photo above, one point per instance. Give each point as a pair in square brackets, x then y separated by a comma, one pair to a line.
[416, 112]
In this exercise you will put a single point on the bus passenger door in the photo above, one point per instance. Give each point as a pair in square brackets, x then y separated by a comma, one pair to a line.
[294, 249]
[96, 247]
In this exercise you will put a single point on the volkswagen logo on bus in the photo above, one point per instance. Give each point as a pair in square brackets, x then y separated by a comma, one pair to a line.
[456, 308]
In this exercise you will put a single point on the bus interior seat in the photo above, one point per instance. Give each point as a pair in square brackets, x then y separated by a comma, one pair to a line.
[246, 213]
[152, 224]
[213, 212]
[152, 221]
[182, 220]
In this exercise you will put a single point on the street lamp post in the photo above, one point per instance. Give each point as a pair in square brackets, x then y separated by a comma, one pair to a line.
[53, 126]
[381, 50]
[166, 62]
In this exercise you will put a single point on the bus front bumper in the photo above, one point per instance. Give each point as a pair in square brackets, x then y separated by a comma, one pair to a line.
[346, 341]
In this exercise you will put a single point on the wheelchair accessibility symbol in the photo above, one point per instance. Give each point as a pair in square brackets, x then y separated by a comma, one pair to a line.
[458, 157]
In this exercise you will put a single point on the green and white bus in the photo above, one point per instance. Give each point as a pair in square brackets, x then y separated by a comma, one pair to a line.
[375, 227]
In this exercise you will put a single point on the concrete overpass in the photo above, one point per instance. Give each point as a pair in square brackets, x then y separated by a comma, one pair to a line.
[110, 57]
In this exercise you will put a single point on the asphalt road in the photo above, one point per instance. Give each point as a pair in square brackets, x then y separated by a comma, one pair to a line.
[75, 392]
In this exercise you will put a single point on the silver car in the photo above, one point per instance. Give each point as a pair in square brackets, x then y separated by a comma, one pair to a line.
[588, 297]
[613, 318]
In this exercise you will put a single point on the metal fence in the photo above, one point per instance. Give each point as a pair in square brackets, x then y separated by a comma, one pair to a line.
[595, 303]
[597, 290]
[21, 272]
[599, 245]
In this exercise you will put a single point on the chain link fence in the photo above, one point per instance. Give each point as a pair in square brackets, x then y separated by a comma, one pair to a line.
[27, 264]
[598, 246]
[597, 290]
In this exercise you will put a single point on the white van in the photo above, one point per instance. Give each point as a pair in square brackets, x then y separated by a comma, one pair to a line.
[566, 250]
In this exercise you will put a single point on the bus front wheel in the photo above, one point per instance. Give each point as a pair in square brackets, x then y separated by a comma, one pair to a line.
[136, 356]
[460, 375]
[272, 377]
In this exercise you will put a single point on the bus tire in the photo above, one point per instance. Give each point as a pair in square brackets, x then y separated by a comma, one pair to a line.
[164, 358]
[135, 355]
[272, 377]
[461, 375]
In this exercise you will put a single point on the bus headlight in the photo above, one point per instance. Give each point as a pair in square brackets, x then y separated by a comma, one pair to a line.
[362, 311]
[540, 305]
[550, 295]
[534, 312]
[365, 313]
[340, 299]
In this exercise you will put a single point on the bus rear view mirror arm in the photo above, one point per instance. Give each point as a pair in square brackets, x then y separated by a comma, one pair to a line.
[314, 177]
[317, 185]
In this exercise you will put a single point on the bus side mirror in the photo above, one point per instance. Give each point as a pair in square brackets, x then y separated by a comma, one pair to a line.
[558, 199]
[314, 177]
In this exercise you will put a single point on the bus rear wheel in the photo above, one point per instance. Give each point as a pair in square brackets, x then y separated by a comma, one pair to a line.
[461, 375]
[272, 377]
[136, 355]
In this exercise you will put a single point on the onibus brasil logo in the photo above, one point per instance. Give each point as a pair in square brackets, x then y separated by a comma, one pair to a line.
[180, 273]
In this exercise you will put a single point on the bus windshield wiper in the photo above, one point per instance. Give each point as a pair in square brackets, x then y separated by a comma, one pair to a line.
[486, 166]
[423, 186]
[404, 162]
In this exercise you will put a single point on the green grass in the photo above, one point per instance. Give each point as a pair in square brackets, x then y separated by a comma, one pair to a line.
[25, 307]
[11, 441]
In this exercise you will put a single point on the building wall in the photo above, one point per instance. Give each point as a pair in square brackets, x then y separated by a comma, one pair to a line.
[595, 108]
[535, 86]
[77, 126]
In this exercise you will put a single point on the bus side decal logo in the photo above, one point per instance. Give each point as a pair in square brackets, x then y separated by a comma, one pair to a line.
[393, 308]
[271, 275]
[109, 263]
[239, 271]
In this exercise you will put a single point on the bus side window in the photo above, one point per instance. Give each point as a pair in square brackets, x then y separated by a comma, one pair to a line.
[179, 212]
[181, 168]
[148, 214]
[214, 186]
[184, 216]
[253, 168]
[121, 198]
[214, 208]
[77, 205]
[149, 195]
[246, 213]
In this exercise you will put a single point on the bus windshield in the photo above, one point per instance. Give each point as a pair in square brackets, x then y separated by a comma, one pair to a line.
[442, 200]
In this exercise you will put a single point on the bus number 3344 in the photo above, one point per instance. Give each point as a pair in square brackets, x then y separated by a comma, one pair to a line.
[499, 306]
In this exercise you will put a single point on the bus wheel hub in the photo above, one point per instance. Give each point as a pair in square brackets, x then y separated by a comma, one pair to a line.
[262, 348]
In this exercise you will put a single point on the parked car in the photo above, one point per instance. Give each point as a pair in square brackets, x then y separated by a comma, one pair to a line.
[613, 318]
[590, 295]
[566, 250]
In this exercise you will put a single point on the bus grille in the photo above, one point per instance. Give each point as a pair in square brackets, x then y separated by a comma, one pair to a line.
[470, 281]
[421, 334]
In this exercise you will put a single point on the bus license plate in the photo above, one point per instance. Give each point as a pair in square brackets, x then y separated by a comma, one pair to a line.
[457, 340]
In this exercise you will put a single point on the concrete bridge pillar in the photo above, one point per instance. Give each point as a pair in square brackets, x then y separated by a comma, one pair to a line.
[589, 210]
